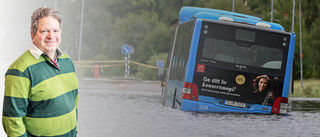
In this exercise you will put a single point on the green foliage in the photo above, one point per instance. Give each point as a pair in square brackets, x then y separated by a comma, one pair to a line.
[132, 30]
[146, 25]
[311, 13]
[156, 42]
[313, 49]
[310, 39]
[96, 27]
[259, 6]
[239, 6]
[149, 73]
[194, 3]
[120, 8]
[167, 10]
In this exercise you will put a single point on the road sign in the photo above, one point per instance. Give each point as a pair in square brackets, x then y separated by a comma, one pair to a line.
[125, 49]
[160, 63]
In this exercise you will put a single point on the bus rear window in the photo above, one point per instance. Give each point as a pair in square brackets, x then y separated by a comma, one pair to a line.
[242, 54]
[245, 35]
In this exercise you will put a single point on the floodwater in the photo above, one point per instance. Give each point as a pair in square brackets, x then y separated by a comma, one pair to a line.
[131, 108]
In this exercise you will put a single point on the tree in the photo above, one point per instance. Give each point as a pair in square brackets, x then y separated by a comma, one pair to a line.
[239, 6]
[147, 73]
[168, 10]
[121, 8]
[147, 24]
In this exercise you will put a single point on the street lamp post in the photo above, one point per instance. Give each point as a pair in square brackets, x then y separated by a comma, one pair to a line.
[80, 37]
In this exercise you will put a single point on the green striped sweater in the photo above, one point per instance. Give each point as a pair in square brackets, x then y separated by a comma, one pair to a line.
[39, 99]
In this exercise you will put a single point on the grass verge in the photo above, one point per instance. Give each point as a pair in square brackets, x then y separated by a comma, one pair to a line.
[311, 88]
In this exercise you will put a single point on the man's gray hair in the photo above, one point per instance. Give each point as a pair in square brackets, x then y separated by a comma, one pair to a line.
[41, 13]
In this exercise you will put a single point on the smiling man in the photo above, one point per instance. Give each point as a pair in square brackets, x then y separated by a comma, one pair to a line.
[41, 87]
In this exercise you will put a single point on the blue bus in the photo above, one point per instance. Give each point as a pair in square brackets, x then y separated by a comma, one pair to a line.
[222, 61]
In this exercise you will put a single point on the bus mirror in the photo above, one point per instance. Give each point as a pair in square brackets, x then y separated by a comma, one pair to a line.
[160, 72]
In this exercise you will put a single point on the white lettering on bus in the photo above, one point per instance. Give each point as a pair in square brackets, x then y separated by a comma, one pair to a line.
[205, 79]
[204, 107]
[229, 89]
[216, 81]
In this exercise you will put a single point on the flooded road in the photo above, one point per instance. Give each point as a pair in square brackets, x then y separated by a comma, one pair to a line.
[133, 109]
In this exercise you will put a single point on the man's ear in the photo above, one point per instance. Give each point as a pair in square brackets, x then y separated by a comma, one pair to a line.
[31, 35]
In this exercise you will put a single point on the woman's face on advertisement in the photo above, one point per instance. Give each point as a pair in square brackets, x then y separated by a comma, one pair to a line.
[263, 82]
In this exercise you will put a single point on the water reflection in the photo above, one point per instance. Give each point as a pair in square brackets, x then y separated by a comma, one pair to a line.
[133, 109]
[305, 104]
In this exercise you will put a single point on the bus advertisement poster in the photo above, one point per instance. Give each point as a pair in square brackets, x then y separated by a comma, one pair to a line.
[238, 86]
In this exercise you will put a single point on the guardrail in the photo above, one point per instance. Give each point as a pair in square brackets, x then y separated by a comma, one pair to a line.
[107, 63]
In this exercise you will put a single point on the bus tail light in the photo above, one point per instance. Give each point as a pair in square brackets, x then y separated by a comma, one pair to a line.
[280, 105]
[190, 91]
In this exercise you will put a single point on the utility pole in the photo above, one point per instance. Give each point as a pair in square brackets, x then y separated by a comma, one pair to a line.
[232, 5]
[293, 8]
[301, 55]
[271, 11]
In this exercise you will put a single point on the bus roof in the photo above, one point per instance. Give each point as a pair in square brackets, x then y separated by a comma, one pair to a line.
[191, 13]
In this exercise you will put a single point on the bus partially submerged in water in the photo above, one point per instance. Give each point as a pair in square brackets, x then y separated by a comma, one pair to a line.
[222, 61]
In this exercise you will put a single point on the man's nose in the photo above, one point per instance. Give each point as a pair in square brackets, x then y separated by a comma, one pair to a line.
[50, 35]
